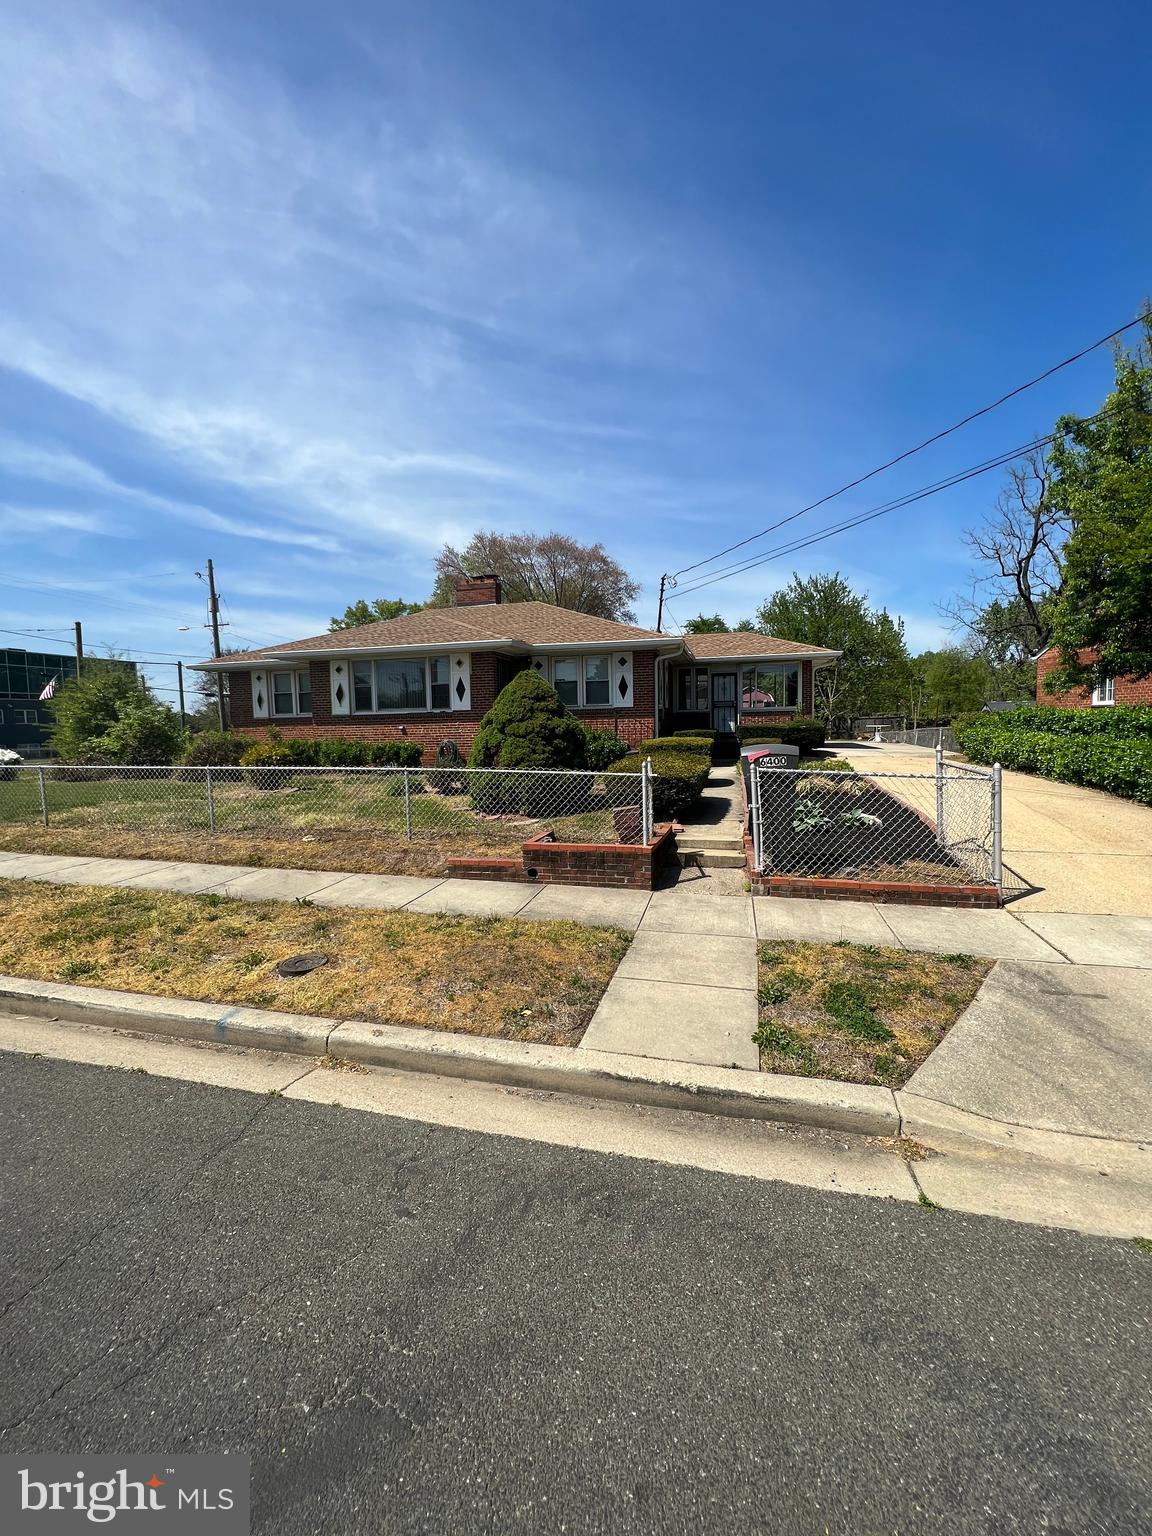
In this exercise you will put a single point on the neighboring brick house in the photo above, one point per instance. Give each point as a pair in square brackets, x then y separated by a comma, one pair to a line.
[434, 674]
[1110, 690]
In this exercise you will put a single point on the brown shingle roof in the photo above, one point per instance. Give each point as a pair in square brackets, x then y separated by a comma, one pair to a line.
[746, 643]
[536, 624]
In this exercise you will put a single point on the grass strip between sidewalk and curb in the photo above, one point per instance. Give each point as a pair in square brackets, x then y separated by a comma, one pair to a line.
[858, 1013]
[495, 976]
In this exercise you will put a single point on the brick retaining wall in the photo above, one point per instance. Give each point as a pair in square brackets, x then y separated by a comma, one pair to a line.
[622, 866]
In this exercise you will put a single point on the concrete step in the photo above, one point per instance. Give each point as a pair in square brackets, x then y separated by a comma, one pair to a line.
[710, 858]
[711, 837]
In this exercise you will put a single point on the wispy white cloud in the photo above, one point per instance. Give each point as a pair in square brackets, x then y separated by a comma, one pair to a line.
[35, 520]
[369, 326]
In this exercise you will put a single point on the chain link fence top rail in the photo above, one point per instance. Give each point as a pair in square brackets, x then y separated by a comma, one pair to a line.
[932, 828]
[472, 808]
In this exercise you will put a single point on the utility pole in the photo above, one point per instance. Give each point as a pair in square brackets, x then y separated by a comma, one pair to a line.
[660, 605]
[180, 691]
[214, 616]
[79, 645]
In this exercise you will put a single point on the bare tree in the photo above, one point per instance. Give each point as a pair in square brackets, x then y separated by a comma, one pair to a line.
[542, 568]
[1008, 612]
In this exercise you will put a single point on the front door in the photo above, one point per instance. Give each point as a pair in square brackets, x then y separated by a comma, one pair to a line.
[724, 702]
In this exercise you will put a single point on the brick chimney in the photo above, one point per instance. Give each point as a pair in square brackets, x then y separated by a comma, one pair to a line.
[477, 589]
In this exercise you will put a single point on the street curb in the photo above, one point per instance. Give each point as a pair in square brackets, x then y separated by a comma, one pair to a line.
[849, 1107]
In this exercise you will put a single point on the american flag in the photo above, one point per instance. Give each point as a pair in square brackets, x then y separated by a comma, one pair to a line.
[49, 689]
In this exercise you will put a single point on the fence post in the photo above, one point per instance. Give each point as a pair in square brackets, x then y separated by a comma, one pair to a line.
[646, 801]
[939, 794]
[754, 816]
[43, 796]
[407, 806]
[211, 799]
[997, 828]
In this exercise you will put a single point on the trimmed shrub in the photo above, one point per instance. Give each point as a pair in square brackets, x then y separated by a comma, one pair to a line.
[394, 754]
[602, 748]
[216, 749]
[702, 745]
[1098, 760]
[698, 730]
[678, 780]
[540, 795]
[265, 765]
[529, 726]
[332, 752]
[801, 731]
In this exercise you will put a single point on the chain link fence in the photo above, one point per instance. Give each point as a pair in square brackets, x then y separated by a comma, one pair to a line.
[473, 809]
[939, 828]
[922, 736]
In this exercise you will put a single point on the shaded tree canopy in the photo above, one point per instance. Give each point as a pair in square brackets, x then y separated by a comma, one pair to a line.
[541, 568]
[363, 611]
[1102, 481]
[706, 624]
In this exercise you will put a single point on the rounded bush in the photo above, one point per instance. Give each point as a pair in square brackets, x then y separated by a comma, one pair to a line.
[529, 726]
[602, 748]
[265, 765]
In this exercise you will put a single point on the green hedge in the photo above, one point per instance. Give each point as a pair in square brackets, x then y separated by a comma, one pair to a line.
[1122, 765]
[801, 731]
[678, 780]
[701, 745]
[333, 752]
[698, 730]
[1125, 720]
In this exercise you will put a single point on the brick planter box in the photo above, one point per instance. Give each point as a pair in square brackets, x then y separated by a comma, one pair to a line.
[904, 893]
[543, 860]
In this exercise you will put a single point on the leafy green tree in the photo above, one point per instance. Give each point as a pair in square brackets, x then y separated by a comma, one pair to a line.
[706, 624]
[541, 568]
[364, 612]
[871, 676]
[955, 681]
[1103, 481]
[109, 714]
[529, 726]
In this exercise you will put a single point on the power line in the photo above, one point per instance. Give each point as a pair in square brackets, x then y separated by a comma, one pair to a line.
[866, 517]
[38, 634]
[908, 453]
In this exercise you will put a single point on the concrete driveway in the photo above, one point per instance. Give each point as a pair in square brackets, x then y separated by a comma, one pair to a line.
[1066, 849]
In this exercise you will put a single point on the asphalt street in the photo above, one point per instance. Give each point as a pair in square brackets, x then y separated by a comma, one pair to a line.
[417, 1329]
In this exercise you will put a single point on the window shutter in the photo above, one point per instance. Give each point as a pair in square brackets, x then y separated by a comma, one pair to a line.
[261, 703]
[340, 672]
[621, 691]
[460, 682]
[539, 665]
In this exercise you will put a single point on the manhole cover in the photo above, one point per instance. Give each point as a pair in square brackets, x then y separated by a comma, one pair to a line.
[300, 965]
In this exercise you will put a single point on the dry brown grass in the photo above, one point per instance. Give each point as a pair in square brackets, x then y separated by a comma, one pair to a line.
[350, 852]
[857, 1012]
[481, 976]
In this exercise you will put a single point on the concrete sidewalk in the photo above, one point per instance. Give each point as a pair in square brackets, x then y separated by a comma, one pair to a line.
[706, 906]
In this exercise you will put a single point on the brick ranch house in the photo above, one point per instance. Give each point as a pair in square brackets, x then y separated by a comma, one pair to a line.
[433, 675]
[1110, 690]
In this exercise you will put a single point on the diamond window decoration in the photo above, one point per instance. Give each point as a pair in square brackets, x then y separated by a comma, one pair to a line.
[622, 687]
[460, 689]
[339, 693]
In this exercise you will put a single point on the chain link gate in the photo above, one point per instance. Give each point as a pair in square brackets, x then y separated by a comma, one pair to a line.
[941, 828]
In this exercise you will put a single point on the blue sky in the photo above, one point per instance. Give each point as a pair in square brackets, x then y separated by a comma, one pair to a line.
[312, 288]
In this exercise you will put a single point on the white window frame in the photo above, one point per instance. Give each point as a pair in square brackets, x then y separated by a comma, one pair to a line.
[1104, 692]
[746, 667]
[26, 716]
[295, 713]
[428, 708]
[582, 661]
